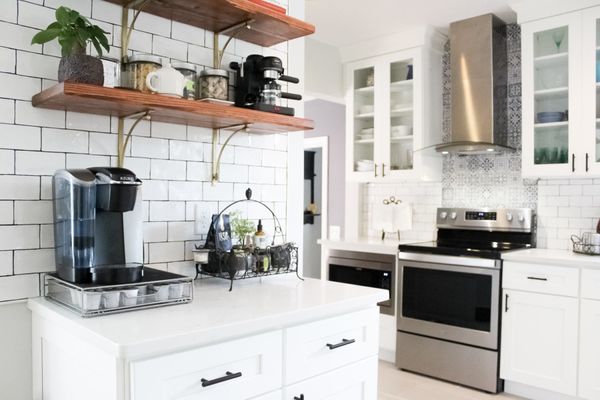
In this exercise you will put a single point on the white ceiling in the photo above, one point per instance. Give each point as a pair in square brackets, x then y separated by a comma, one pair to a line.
[343, 22]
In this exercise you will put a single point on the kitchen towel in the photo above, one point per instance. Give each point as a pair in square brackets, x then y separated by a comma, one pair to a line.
[391, 217]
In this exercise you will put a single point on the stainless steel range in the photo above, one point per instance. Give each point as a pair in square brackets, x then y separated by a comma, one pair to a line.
[449, 295]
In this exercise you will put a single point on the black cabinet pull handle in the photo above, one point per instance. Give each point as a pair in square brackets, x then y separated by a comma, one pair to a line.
[506, 302]
[383, 170]
[299, 398]
[344, 342]
[228, 376]
[535, 278]
[587, 162]
[573, 162]
[375, 170]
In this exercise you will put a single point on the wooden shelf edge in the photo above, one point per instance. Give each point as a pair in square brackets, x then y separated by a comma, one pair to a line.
[101, 100]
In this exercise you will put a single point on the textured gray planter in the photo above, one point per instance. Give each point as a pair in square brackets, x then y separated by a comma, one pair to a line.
[81, 68]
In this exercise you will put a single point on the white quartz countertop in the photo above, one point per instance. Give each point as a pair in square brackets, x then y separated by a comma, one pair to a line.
[215, 314]
[553, 257]
[368, 245]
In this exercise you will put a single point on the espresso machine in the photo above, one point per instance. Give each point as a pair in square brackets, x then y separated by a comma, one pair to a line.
[257, 87]
[98, 225]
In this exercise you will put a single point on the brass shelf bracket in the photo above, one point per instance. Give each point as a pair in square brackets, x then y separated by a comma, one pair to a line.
[122, 139]
[216, 158]
[233, 31]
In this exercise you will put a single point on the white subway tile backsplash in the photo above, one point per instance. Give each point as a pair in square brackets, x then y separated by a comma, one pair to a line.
[247, 156]
[6, 263]
[86, 161]
[198, 134]
[155, 232]
[149, 147]
[198, 171]
[262, 175]
[46, 236]
[33, 15]
[168, 131]
[19, 187]
[32, 261]
[20, 137]
[7, 110]
[19, 87]
[6, 212]
[233, 173]
[13, 237]
[168, 169]
[219, 191]
[83, 6]
[167, 211]
[139, 166]
[7, 162]
[155, 190]
[153, 24]
[165, 252]
[19, 287]
[33, 212]
[199, 55]
[64, 140]
[26, 114]
[8, 11]
[88, 122]
[185, 191]
[39, 163]
[17, 37]
[107, 12]
[103, 143]
[37, 65]
[183, 150]
[139, 41]
[169, 48]
[180, 231]
[187, 33]
[46, 188]
[8, 60]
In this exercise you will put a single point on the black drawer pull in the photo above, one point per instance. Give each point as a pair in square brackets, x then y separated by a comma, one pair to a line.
[344, 342]
[228, 376]
[299, 398]
[535, 278]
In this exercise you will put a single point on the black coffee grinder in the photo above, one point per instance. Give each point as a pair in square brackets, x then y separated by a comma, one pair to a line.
[256, 84]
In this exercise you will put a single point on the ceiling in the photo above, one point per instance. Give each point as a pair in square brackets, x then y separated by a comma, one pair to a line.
[344, 22]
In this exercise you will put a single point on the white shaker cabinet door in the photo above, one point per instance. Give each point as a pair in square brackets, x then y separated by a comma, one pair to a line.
[589, 350]
[355, 382]
[539, 341]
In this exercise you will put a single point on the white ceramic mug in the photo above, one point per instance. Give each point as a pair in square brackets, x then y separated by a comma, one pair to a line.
[166, 81]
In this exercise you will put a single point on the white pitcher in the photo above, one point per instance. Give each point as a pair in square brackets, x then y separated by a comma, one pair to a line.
[166, 81]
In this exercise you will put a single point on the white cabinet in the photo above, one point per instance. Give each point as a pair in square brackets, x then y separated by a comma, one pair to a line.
[393, 111]
[354, 382]
[589, 350]
[539, 341]
[560, 93]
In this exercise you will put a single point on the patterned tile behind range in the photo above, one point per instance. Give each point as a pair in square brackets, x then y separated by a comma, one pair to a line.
[489, 180]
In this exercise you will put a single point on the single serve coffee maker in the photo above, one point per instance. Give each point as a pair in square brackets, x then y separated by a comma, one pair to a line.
[98, 225]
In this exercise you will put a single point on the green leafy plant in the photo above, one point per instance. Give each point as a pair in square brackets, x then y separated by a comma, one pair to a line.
[73, 32]
[241, 226]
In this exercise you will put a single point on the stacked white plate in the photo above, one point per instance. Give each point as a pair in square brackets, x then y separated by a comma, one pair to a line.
[399, 131]
[365, 165]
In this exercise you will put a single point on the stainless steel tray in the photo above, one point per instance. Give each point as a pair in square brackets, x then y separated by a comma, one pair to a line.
[157, 289]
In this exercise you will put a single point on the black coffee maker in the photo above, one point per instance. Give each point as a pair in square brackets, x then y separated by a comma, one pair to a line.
[98, 225]
[256, 84]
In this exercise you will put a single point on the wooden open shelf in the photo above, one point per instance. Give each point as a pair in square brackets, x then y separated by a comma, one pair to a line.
[101, 100]
[269, 27]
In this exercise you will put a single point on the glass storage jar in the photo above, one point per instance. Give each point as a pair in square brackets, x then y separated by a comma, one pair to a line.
[213, 84]
[189, 72]
[135, 70]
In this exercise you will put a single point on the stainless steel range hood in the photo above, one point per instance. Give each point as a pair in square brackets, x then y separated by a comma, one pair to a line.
[479, 87]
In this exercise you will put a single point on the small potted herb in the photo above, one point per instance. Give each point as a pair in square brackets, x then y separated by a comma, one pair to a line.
[241, 227]
[242, 258]
[73, 32]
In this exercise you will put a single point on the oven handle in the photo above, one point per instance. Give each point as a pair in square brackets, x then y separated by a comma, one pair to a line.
[493, 272]
[356, 263]
[485, 263]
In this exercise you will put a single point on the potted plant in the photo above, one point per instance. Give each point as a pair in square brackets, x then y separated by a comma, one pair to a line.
[73, 32]
[241, 227]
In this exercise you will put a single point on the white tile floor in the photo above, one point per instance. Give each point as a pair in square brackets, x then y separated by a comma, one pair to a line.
[399, 385]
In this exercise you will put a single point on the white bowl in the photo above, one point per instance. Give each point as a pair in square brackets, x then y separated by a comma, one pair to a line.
[401, 130]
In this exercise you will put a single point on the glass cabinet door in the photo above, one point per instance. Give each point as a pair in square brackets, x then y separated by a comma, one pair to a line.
[551, 96]
[401, 123]
[364, 120]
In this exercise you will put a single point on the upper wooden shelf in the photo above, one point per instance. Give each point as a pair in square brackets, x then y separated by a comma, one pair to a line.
[101, 100]
[269, 27]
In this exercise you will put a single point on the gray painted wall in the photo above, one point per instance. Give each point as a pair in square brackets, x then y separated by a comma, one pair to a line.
[330, 121]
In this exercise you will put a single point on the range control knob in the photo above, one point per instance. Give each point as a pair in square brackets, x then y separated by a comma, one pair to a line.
[453, 215]
[521, 218]
[443, 215]
[509, 217]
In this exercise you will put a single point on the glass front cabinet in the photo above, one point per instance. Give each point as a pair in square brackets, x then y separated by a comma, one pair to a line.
[387, 99]
[561, 114]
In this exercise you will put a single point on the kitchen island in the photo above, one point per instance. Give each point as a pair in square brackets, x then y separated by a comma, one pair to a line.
[278, 338]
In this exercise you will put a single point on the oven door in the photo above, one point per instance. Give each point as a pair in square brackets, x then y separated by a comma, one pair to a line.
[449, 301]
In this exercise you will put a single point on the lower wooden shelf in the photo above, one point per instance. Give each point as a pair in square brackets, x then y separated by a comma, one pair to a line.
[93, 99]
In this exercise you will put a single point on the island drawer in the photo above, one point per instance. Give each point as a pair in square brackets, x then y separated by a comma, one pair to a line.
[540, 278]
[321, 346]
[590, 284]
[234, 370]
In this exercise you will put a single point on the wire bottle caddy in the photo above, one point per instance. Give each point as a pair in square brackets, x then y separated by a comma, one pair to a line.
[221, 259]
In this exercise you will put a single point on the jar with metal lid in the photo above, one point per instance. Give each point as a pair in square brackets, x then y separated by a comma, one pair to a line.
[136, 69]
[213, 84]
[189, 72]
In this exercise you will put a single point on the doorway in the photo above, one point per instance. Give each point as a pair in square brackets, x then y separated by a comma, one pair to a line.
[315, 203]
